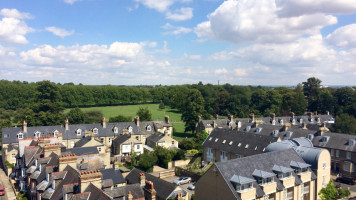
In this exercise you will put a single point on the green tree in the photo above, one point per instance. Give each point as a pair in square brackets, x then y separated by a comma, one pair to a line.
[331, 193]
[199, 139]
[144, 114]
[161, 105]
[299, 104]
[193, 107]
[311, 89]
[76, 116]
[120, 118]
[344, 123]
[163, 155]
[187, 143]
[93, 116]
[147, 160]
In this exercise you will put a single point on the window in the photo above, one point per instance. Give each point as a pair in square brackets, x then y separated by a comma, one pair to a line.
[110, 140]
[138, 147]
[6, 135]
[348, 155]
[64, 143]
[256, 148]
[37, 134]
[95, 131]
[265, 180]
[347, 167]
[13, 156]
[20, 136]
[230, 143]
[324, 181]
[239, 144]
[130, 129]
[144, 138]
[79, 132]
[337, 153]
[247, 145]
[172, 142]
[284, 175]
[210, 138]
[102, 140]
[55, 133]
[238, 156]
[137, 138]
[224, 142]
[216, 139]
[116, 130]
[324, 165]
[99, 149]
[148, 128]
[332, 152]
[223, 155]
[72, 143]
[243, 186]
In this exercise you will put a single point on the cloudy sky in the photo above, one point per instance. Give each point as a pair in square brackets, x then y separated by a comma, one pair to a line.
[133, 42]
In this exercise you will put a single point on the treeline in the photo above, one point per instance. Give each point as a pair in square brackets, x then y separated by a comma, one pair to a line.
[191, 100]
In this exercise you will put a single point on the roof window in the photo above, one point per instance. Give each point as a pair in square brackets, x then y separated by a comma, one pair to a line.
[351, 142]
[230, 143]
[19, 136]
[256, 148]
[247, 145]
[224, 142]
[325, 139]
[258, 130]
[216, 139]
[310, 136]
[239, 144]
[248, 128]
[210, 138]
[289, 134]
[95, 130]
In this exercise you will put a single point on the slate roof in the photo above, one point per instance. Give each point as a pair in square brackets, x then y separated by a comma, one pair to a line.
[112, 174]
[72, 176]
[123, 138]
[244, 144]
[265, 162]
[84, 141]
[156, 137]
[10, 134]
[82, 151]
[118, 193]
[96, 193]
[29, 154]
[163, 188]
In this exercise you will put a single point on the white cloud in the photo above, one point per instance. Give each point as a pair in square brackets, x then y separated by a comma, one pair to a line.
[12, 27]
[175, 30]
[180, 14]
[71, 1]
[13, 13]
[59, 31]
[240, 72]
[344, 37]
[223, 55]
[191, 57]
[161, 5]
[302, 7]
[221, 71]
[258, 21]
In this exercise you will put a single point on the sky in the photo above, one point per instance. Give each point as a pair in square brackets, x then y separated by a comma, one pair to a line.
[170, 42]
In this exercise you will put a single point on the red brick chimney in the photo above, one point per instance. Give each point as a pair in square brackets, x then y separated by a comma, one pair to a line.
[149, 190]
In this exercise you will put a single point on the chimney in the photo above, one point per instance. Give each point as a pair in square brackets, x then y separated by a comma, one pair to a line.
[92, 136]
[166, 119]
[216, 116]
[94, 177]
[60, 138]
[49, 148]
[24, 127]
[67, 159]
[292, 115]
[327, 112]
[286, 126]
[66, 122]
[180, 196]
[231, 117]
[149, 191]
[323, 129]
[137, 120]
[316, 112]
[129, 196]
[252, 117]
[305, 125]
[199, 118]
[142, 179]
[257, 122]
[103, 122]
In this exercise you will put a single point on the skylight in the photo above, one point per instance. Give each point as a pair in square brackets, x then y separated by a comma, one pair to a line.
[230, 143]
[224, 141]
[239, 144]
[210, 138]
[216, 139]
[247, 145]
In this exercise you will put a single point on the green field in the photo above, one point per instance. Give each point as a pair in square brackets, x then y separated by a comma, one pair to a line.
[157, 114]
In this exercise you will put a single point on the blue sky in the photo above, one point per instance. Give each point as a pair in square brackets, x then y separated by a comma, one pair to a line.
[133, 42]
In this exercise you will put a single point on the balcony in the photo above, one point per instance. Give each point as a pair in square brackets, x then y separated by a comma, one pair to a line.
[247, 193]
[305, 176]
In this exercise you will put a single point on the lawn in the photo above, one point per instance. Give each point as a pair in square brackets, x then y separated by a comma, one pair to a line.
[157, 114]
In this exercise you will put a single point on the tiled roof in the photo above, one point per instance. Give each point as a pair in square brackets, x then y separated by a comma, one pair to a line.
[96, 193]
[112, 174]
[82, 151]
[135, 189]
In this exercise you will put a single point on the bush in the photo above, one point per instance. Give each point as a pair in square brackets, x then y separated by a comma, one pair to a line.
[187, 143]
[193, 151]
[147, 160]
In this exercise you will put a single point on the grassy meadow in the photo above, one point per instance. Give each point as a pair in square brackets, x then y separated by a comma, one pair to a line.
[157, 114]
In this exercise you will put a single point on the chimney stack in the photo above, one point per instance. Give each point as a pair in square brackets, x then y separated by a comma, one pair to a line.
[129, 196]
[180, 196]
[252, 117]
[94, 177]
[149, 191]
[231, 117]
[137, 121]
[24, 127]
[216, 116]
[305, 125]
[323, 129]
[66, 122]
[273, 118]
[142, 179]
[103, 122]
[286, 126]
[49, 148]
[166, 119]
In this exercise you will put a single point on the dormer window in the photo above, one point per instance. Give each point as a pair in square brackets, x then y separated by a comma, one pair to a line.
[256, 148]
[351, 142]
[130, 129]
[263, 177]
[79, 132]
[301, 121]
[248, 128]
[241, 183]
[289, 134]
[20, 136]
[115, 129]
[299, 167]
[318, 119]
[230, 124]
[258, 130]
[273, 122]
[148, 128]
[325, 139]
[95, 130]
[275, 132]
[55, 133]
[208, 125]
[310, 137]
[37, 134]
[282, 172]
[281, 121]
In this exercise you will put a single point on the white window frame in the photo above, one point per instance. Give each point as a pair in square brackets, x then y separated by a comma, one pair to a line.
[116, 129]
[79, 132]
[95, 131]
[20, 136]
[149, 128]
[110, 140]
[13, 156]
[130, 129]
[37, 134]
[223, 156]
[55, 133]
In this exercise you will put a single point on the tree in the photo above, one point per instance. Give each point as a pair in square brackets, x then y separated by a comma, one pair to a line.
[163, 156]
[76, 116]
[147, 160]
[120, 118]
[331, 193]
[299, 104]
[93, 116]
[200, 139]
[187, 143]
[144, 114]
[193, 107]
[311, 89]
[161, 105]
[344, 123]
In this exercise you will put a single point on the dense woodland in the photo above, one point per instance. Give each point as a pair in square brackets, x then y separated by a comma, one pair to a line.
[43, 103]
